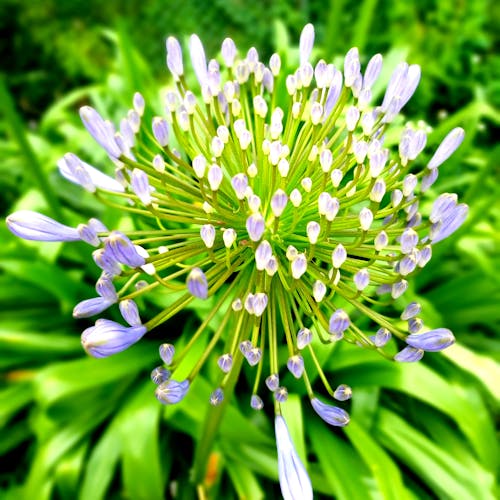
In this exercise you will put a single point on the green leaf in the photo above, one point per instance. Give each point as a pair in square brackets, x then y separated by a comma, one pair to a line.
[138, 424]
[348, 476]
[443, 472]
[384, 470]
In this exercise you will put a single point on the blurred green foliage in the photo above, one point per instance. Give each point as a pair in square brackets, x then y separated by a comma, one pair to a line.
[74, 427]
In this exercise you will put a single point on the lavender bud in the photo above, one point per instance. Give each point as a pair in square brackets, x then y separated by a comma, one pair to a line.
[174, 57]
[431, 341]
[411, 310]
[273, 382]
[123, 250]
[91, 307]
[130, 312]
[107, 338]
[171, 391]
[197, 283]
[447, 147]
[409, 355]
[338, 324]
[37, 227]
[225, 362]
[295, 365]
[207, 233]
[381, 338]
[294, 481]
[330, 414]
[256, 402]
[217, 397]
[304, 338]
[255, 226]
[262, 255]
[100, 130]
[140, 185]
[342, 393]
[160, 131]
[167, 352]
[160, 375]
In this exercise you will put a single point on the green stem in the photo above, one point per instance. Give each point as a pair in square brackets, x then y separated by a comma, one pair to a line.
[212, 422]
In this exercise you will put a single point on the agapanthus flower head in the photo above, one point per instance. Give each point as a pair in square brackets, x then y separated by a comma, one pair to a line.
[294, 219]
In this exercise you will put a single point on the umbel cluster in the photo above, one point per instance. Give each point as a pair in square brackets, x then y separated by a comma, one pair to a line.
[272, 194]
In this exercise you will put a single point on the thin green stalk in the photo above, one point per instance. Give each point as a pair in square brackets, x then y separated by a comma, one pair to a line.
[212, 421]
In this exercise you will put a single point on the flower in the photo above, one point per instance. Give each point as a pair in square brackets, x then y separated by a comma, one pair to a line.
[294, 481]
[272, 212]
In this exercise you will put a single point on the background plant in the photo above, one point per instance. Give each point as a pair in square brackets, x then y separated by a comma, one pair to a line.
[74, 427]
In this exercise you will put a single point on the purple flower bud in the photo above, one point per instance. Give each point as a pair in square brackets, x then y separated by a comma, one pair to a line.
[294, 481]
[339, 323]
[106, 260]
[332, 415]
[255, 226]
[123, 250]
[319, 290]
[339, 256]
[253, 355]
[295, 365]
[37, 227]
[228, 51]
[91, 307]
[217, 397]
[362, 279]
[372, 71]
[342, 393]
[409, 355]
[225, 362]
[451, 222]
[407, 265]
[428, 180]
[415, 325]
[381, 241]
[198, 59]
[399, 288]
[304, 338]
[298, 266]
[197, 283]
[256, 402]
[411, 310]
[171, 392]
[262, 255]
[333, 93]
[365, 218]
[273, 382]
[139, 103]
[431, 341]
[214, 177]
[207, 233]
[88, 235]
[281, 394]
[100, 130]
[160, 130]
[160, 374]
[381, 338]
[139, 182]
[278, 202]
[313, 229]
[306, 43]
[167, 352]
[174, 57]
[409, 240]
[107, 338]
[130, 312]
[105, 288]
[245, 347]
[447, 147]
[259, 303]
